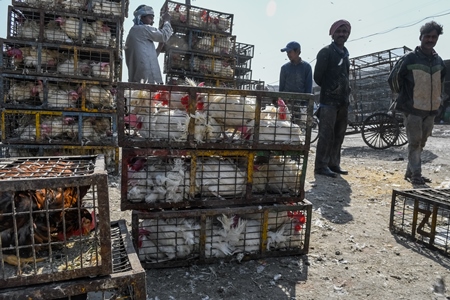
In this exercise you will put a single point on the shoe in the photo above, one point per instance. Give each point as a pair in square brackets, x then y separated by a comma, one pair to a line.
[417, 181]
[326, 172]
[423, 178]
[339, 170]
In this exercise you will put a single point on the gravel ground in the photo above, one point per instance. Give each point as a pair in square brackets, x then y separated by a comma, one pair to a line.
[352, 254]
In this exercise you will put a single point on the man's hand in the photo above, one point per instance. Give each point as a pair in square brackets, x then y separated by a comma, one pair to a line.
[166, 17]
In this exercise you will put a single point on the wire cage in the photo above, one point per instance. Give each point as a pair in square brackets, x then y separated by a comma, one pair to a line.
[368, 78]
[422, 215]
[161, 178]
[59, 94]
[57, 60]
[56, 26]
[182, 238]
[127, 280]
[194, 17]
[51, 127]
[53, 219]
[110, 153]
[186, 117]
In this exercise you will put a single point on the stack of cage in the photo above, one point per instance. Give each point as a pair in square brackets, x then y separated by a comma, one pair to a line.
[368, 76]
[55, 229]
[204, 49]
[214, 172]
[60, 63]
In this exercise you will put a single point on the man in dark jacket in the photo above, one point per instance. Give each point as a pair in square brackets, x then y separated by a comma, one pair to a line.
[418, 79]
[331, 74]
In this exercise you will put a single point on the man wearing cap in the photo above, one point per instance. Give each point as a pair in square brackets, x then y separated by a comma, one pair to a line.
[296, 75]
[141, 55]
[331, 73]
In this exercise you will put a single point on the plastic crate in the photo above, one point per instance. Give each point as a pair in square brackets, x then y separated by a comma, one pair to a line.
[127, 280]
[63, 128]
[181, 238]
[57, 60]
[160, 178]
[110, 154]
[187, 117]
[60, 94]
[422, 215]
[195, 17]
[56, 26]
[56, 211]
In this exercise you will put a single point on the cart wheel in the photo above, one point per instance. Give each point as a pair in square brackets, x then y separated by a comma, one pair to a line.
[314, 129]
[402, 138]
[380, 131]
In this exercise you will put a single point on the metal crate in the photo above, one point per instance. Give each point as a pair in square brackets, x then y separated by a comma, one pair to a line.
[181, 238]
[62, 128]
[194, 17]
[187, 117]
[57, 60]
[195, 64]
[160, 178]
[127, 280]
[55, 219]
[51, 93]
[422, 215]
[56, 26]
[110, 154]
[103, 8]
[368, 79]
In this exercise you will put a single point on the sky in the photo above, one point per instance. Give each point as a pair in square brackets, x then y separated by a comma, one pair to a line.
[269, 25]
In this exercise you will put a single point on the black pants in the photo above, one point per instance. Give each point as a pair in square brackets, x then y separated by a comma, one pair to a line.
[332, 128]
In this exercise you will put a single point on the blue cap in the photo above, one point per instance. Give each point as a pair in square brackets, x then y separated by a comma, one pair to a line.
[291, 46]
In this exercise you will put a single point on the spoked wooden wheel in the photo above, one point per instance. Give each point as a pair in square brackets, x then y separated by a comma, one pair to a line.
[402, 138]
[314, 129]
[380, 131]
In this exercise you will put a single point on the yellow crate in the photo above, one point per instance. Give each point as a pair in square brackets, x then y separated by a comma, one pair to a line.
[160, 178]
[59, 128]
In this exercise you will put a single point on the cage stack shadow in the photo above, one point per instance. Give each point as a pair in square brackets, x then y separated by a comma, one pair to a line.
[213, 173]
[61, 61]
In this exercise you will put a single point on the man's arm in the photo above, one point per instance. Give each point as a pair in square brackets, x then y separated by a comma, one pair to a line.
[321, 66]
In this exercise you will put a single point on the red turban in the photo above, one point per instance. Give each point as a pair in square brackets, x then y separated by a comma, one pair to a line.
[338, 24]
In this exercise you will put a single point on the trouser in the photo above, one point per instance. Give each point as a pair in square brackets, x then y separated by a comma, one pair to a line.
[418, 129]
[332, 128]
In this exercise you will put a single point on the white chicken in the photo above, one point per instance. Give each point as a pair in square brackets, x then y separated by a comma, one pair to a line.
[165, 124]
[61, 97]
[69, 67]
[75, 28]
[102, 34]
[106, 7]
[282, 175]
[71, 4]
[96, 130]
[28, 29]
[99, 97]
[197, 18]
[58, 128]
[22, 91]
[178, 14]
[101, 69]
[54, 33]
[230, 110]
[175, 237]
[219, 177]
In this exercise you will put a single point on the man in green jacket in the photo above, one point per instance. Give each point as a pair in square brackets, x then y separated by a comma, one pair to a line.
[418, 79]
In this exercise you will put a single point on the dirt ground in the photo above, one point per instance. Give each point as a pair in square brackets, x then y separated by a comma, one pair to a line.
[352, 253]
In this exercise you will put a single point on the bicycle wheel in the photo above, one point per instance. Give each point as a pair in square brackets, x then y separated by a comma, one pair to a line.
[314, 129]
[380, 131]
